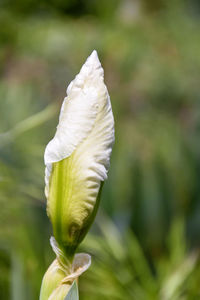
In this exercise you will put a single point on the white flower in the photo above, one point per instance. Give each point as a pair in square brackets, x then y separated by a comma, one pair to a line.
[77, 158]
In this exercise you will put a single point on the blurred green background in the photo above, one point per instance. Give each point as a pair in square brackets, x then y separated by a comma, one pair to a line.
[146, 237]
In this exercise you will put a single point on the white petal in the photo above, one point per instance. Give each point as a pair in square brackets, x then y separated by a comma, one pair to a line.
[78, 111]
[86, 121]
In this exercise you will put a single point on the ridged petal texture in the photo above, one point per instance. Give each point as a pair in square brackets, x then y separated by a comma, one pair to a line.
[77, 158]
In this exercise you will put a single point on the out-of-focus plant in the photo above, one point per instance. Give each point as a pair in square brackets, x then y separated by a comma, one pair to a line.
[121, 269]
[77, 161]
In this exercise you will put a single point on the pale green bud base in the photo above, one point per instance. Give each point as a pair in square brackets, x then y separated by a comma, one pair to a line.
[67, 206]
[61, 274]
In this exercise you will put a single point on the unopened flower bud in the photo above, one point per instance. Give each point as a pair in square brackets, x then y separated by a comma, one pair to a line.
[77, 158]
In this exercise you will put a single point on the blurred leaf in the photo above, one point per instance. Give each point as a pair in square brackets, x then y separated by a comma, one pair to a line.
[27, 124]
[174, 285]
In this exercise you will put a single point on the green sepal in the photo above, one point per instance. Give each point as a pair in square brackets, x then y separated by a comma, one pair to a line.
[51, 280]
[67, 205]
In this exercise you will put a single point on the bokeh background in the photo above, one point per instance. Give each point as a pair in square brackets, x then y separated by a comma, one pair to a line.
[146, 237]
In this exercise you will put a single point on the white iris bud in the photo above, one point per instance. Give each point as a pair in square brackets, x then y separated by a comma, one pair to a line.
[77, 158]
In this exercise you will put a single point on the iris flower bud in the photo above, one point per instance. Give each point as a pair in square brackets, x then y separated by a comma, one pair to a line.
[77, 158]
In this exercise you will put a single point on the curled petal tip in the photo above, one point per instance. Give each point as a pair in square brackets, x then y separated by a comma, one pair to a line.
[93, 58]
[91, 69]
